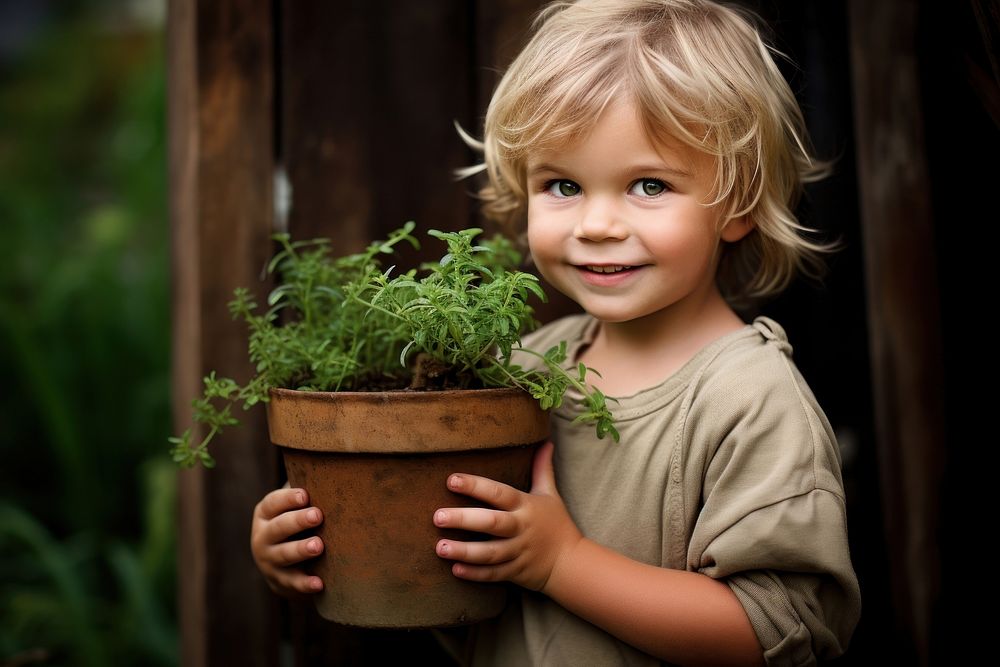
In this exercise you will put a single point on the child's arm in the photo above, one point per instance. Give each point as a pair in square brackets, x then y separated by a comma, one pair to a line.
[683, 617]
[279, 516]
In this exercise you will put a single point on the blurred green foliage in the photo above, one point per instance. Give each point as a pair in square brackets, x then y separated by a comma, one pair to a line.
[87, 565]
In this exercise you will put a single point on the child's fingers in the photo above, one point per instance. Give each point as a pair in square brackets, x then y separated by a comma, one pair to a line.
[285, 581]
[290, 523]
[543, 479]
[291, 553]
[493, 522]
[489, 491]
[482, 572]
[279, 529]
[492, 552]
[280, 501]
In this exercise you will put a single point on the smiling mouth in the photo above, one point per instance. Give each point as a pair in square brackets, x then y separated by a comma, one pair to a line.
[609, 268]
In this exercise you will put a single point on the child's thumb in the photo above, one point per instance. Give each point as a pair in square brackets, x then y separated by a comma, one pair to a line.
[543, 476]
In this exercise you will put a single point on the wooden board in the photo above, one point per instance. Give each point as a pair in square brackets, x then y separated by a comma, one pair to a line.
[220, 98]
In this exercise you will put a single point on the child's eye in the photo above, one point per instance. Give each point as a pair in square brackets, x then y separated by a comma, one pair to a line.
[562, 188]
[648, 187]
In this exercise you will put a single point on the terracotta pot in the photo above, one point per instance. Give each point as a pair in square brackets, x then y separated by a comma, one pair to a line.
[376, 463]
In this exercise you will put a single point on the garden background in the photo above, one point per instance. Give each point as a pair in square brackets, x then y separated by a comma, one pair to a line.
[87, 514]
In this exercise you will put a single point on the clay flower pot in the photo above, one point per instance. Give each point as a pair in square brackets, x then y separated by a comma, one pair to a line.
[376, 463]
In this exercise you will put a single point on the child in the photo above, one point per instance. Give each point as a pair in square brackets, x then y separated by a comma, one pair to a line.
[657, 153]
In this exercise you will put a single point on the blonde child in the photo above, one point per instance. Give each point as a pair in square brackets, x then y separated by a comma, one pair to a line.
[656, 153]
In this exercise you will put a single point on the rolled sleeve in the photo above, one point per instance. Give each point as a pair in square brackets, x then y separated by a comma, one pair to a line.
[771, 518]
[789, 566]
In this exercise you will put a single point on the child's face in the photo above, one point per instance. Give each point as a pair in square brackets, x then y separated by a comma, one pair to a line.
[614, 200]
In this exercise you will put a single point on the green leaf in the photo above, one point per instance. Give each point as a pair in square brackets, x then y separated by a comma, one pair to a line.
[402, 355]
[207, 460]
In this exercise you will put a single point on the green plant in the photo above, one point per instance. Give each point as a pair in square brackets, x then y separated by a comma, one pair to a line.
[349, 326]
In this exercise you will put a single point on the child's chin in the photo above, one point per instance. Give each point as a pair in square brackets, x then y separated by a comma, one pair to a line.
[610, 316]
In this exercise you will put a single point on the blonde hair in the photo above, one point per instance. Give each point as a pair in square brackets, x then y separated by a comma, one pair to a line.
[698, 72]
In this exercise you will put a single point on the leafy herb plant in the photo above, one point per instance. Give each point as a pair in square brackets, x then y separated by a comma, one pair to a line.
[343, 324]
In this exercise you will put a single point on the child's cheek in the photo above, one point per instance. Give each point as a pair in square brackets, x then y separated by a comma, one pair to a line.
[545, 249]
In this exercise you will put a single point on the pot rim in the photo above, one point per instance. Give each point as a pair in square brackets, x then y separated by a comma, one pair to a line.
[405, 422]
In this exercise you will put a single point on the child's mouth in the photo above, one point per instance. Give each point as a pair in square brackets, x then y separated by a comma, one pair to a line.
[616, 268]
[607, 274]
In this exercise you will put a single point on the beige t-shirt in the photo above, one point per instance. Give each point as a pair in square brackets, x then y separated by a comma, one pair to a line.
[728, 467]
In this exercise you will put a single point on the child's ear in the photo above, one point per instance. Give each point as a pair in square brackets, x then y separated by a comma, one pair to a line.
[736, 228]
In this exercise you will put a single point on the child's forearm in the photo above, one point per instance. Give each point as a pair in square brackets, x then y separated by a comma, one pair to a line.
[683, 617]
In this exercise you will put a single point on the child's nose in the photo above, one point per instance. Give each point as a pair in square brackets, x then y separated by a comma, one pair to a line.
[600, 220]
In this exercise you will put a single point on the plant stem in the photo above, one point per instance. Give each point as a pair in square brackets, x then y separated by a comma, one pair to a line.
[559, 369]
[380, 309]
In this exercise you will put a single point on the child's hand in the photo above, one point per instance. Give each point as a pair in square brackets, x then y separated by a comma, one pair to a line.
[535, 528]
[275, 519]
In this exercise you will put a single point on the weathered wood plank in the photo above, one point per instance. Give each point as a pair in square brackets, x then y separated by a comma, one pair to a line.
[220, 170]
[369, 92]
[182, 116]
[903, 304]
